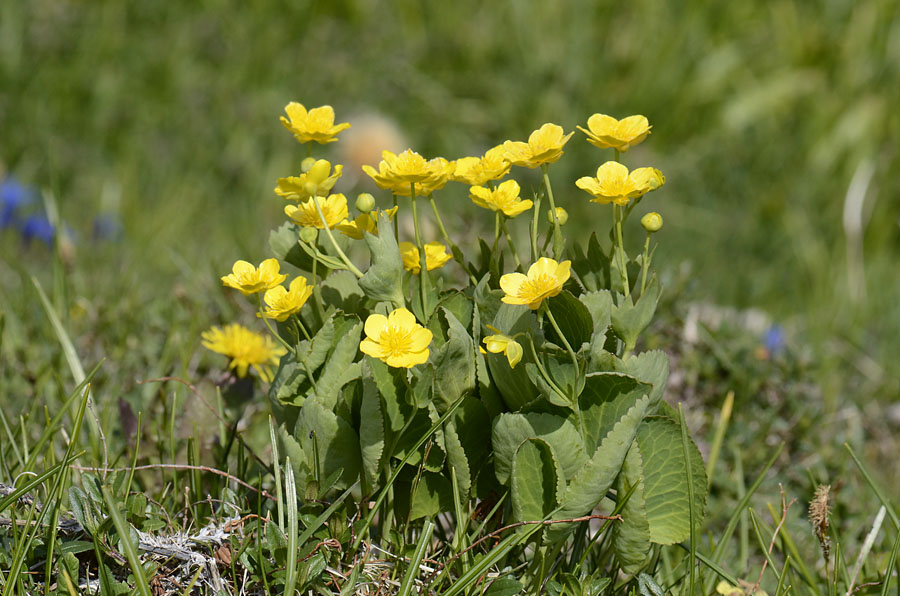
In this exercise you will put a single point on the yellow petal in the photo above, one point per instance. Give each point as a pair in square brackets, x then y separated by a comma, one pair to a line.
[375, 324]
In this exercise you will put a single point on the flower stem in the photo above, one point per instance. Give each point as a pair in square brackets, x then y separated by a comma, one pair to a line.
[558, 243]
[563, 338]
[535, 255]
[298, 324]
[509, 241]
[543, 371]
[454, 249]
[265, 319]
[645, 263]
[317, 292]
[396, 220]
[423, 262]
[334, 243]
[617, 213]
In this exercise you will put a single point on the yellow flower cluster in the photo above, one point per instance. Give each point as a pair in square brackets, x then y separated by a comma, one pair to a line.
[398, 173]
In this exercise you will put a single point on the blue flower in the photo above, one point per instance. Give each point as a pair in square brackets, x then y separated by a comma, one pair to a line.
[38, 227]
[12, 196]
[773, 339]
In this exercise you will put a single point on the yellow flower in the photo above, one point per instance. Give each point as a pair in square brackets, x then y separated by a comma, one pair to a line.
[250, 280]
[397, 339]
[245, 348]
[504, 198]
[544, 280]
[315, 125]
[478, 171]
[614, 184]
[364, 222]
[543, 146]
[317, 181]
[605, 131]
[397, 172]
[436, 256]
[281, 303]
[499, 343]
[334, 208]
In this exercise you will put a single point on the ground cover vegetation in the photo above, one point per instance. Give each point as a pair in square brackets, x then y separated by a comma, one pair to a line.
[140, 151]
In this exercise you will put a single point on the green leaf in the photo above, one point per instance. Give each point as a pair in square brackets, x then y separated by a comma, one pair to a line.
[665, 480]
[606, 398]
[511, 429]
[454, 365]
[456, 459]
[514, 384]
[652, 368]
[573, 318]
[422, 385]
[341, 290]
[335, 440]
[339, 369]
[432, 295]
[292, 384]
[285, 246]
[593, 267]
[599, 305]
[631, 537]
[383, 280]
[460, 305]
[371, 431]
[536, 480]
[392, 389]
[504, 586]
[596, 476]
[433, 495]
[629, 320]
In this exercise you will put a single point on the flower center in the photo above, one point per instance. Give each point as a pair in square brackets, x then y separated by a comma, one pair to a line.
[396, 341]
[539, 286]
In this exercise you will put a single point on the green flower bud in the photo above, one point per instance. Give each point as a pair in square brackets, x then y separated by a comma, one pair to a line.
[561, 214]
[309, 234]
[652, 222]
[365, 202]
[307, 164]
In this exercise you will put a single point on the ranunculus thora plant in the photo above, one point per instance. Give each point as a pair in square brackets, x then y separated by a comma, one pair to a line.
[431, 378]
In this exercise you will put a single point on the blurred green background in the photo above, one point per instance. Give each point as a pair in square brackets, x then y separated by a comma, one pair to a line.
[773, 122]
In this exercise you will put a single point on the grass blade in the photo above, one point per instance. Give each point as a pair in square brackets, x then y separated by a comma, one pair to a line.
[875, 488]
[131, 554]
[409, 578]
[290, 490]
[61, 334]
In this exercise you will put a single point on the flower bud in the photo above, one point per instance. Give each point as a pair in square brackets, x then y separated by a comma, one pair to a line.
[365, 202]
[561, 214]
[652, 222]
[309, 234]
[311, 188]
[307, 164]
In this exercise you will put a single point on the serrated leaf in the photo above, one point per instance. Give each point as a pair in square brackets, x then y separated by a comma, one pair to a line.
[291, 382]
[631, 536]
[652, 368]
[599, 304]
[511, 429]
[573, 318]
[383, 280]
[665, 480]
[392, 390]
[341, 290]
[514, 384]
[535, 481]
[339, 369]
[596, 476]
[335, 440]
[371, 431]
[454, 365]
[460, 305]
[606, 398]
[456, 459]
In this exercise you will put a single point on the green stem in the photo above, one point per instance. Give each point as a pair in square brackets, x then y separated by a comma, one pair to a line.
[423, 262]
[454, 249]
[617, 213]
[317, 291]
[563, 338]
[265, 319]
[496, 231]
[396, 219]
[645, 263]
[543, 371]
[298, 324]
[558, 243]
[509, 241]
[334, 243]
[535, 255]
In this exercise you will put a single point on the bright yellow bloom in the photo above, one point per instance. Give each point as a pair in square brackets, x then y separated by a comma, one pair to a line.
[364, 222]
[397, 172]
[282, 303]
[436, 256]
[504, 198]
[614, 184]
[478, 171]
[319, 180]
[334, 208]
[397, 339]
[544, 280]
[544, 146]
[605, 131]
[315, 125]
[245, 348]
[503, 344]
[250, 280]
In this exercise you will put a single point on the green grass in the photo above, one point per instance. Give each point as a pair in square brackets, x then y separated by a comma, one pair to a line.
[165, 115]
